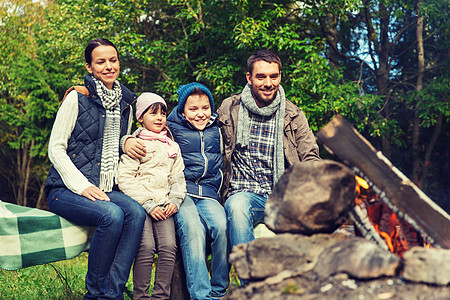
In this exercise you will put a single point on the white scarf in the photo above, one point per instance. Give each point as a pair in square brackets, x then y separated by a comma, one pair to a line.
[111, 135]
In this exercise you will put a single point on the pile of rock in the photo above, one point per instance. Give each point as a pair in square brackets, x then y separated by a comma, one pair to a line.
[310, 259]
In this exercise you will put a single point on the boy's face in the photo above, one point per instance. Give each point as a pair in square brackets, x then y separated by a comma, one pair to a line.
[197, 111]
[154, 121]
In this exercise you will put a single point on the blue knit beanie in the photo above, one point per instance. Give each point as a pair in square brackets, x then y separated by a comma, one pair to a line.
[184, 91]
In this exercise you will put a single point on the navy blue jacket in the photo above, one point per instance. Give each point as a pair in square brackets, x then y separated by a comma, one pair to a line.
[86, 142]
[201, 155]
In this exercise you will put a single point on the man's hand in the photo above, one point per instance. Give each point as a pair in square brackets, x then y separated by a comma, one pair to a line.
[170, 209]
[134, 148]
[158, 214]
[94, 193]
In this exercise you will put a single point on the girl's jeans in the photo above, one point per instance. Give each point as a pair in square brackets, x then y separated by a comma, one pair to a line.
[157, 236]
[116, 240]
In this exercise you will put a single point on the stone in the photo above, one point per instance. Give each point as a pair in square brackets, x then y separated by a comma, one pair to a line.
[266, 257]
[359, 258]
[311, 197]
[428, 265]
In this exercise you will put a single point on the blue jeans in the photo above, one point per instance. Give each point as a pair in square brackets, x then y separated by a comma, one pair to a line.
[244, 211]
[116, 240]
[198, 221]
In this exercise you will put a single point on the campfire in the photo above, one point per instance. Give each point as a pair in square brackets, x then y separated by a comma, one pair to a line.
[356, 229]
[377, 222]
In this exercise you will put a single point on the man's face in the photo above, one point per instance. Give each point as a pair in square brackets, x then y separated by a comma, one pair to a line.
[265, 81]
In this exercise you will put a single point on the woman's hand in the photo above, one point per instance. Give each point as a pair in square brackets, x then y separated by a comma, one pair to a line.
[134, 148]
[94, 193]
[158, 214]
[170, 209]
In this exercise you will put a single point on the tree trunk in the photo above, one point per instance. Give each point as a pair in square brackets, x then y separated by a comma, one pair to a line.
[379, 51]
[41, 197]
[419, 85]
[332, 39]
[24, 161]
[429, 150]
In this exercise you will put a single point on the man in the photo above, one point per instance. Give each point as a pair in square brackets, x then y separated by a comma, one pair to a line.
[263, 134]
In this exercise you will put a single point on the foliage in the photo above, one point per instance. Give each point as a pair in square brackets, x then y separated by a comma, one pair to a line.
[29, 84]
[352, 57]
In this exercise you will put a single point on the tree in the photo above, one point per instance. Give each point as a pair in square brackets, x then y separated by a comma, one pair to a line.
[28, 99]
[354, 57]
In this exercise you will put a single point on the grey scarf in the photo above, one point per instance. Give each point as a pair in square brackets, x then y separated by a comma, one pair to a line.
[111, 135]
[278, 106]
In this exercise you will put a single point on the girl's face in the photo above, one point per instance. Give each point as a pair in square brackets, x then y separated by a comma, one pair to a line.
[105, 65]
[197, 111]
[153, 120]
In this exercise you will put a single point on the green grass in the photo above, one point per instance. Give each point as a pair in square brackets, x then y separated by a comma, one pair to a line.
[62, 280]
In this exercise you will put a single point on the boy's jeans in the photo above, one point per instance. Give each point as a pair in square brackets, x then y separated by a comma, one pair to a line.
[198, 221]
[244, 211]
[116, 240]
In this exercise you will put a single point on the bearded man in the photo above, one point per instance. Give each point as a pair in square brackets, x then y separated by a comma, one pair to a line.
[263, 134]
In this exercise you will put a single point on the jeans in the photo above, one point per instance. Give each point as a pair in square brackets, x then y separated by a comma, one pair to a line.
[198, 221]
[116, 240]
[160, 236]
[244, 211]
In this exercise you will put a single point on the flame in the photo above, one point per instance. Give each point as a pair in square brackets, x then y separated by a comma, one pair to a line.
[383, 219]
[362, 182]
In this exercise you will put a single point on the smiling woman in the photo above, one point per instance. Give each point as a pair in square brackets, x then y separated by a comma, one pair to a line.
[84, 151]
[104, 64]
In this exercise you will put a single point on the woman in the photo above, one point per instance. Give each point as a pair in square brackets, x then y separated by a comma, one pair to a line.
[84, 151]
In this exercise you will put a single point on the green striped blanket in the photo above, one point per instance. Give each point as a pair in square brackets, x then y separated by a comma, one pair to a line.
[30, 236]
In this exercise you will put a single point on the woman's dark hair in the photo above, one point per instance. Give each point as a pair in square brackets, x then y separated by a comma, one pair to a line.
[154, 108]
[94, 44]
[265, 55]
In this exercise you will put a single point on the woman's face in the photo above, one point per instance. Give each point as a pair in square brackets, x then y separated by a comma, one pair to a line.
[105, 65]
[197, 110]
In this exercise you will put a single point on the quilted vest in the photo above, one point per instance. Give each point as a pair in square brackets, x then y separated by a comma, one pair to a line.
[86, 141]
[201, 155]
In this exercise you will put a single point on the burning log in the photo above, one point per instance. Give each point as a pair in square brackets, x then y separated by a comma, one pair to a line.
[394, 188]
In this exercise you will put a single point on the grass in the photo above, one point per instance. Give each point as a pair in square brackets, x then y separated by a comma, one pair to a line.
[59, 280]
[62, 280]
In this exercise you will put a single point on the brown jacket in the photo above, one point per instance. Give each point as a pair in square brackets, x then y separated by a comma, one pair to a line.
[298, 140]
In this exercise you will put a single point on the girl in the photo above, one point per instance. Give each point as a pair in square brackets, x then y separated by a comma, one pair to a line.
[157, 182]
[84, 151]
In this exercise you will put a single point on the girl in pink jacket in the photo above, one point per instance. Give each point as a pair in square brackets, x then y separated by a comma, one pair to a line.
[157, 182]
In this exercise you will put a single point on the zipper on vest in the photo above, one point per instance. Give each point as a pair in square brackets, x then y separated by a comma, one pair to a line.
[202, 150]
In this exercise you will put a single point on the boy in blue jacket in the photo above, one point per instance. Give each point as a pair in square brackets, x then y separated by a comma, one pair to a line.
[201, 218]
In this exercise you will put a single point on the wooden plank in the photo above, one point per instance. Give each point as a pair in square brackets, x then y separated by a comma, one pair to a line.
[400, 193]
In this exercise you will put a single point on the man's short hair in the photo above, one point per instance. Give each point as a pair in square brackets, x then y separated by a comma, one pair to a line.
[265, 55]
